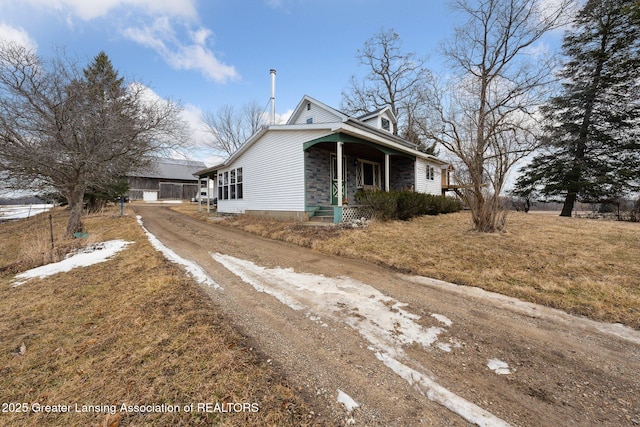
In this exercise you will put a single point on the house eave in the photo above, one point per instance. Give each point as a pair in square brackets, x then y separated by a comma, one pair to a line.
[385, 140]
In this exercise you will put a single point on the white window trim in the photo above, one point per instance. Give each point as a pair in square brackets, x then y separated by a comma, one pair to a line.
[377, 175]
[228, 188]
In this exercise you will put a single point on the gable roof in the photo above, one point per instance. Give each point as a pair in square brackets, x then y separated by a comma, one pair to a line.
[302, 105]
[170, 169]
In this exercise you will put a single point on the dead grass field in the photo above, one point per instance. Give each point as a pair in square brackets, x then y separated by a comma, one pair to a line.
[132, 330]
[586, 267]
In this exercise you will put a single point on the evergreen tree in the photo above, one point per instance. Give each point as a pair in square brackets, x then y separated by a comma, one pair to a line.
[592, 148]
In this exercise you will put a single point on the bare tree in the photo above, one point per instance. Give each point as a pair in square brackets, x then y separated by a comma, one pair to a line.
[487, 113]
[71, 129]
[395, 79]
[231, 128]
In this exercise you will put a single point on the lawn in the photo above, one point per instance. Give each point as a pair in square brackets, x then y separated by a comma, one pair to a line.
[133, 330]
[583, 266]
[136, 330]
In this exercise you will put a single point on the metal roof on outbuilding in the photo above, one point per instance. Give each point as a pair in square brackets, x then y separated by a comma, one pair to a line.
[171, 169]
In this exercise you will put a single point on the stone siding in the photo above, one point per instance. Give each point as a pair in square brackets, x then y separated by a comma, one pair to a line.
[401, 173]
[317, 177]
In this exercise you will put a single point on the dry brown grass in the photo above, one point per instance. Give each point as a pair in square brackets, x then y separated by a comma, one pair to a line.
[132, 330]
[586, 267]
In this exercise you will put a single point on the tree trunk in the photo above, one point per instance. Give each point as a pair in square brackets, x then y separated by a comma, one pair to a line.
[76, 200]
[569, 201]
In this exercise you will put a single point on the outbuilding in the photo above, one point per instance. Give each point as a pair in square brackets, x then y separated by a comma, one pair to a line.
[165, 179]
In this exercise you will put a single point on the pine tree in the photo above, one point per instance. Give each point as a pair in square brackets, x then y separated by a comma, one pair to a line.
[592, 148]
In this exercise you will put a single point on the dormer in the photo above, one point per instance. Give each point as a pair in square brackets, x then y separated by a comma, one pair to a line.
[382, 119]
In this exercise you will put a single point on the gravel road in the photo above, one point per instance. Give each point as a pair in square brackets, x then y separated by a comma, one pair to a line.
[408, 350]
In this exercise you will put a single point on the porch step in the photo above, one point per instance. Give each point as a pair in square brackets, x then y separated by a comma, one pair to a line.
[323, 214]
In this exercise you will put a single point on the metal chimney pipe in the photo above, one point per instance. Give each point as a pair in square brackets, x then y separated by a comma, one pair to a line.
[273, 96]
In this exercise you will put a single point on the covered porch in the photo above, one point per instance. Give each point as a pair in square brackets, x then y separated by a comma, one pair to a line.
[338, 166]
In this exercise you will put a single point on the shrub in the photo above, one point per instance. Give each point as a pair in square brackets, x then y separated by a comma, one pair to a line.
[405, 205]
[384, 204]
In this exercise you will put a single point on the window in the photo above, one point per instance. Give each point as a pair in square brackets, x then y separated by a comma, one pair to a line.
[310, 121]
[385, 124]
[230, 185]
[225, 189]
[431, 173]
[368, 175]
[239, 183]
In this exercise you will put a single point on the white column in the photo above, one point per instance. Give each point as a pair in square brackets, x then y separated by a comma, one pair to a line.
[198, 195]
[339, 171]
[386, 172]
[208, 194]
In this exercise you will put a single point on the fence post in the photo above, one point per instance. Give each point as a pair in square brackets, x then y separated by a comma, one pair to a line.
[51, 229]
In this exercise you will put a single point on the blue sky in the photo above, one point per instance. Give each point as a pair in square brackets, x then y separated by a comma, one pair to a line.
[207, 53]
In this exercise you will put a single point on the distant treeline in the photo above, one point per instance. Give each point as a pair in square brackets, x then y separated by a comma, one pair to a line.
[26, 200]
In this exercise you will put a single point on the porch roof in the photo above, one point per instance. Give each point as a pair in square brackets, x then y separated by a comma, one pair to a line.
[350, 139]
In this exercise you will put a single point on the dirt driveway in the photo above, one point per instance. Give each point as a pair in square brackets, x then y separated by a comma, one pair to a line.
[408, 350]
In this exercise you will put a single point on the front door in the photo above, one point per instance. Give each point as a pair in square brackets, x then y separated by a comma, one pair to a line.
[334, 179]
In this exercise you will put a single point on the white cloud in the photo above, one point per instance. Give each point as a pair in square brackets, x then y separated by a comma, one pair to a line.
[282, 5]
[275, 4]
[88, 10]
[283, 118]
[17, 35]
[195, 55]
[170, 30]
[199, 136]
[152, 36]
[540, 49]
[200, 36]
[198, 144]
[199, 147]
[549, 8]
[280, 119]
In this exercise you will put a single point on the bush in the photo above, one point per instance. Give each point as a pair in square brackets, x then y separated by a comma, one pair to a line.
[384, 204]
[405, 205]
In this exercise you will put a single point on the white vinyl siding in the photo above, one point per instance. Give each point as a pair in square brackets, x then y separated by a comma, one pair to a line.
[378, 122]
[272, 173]
[424, 183]
[317, 115]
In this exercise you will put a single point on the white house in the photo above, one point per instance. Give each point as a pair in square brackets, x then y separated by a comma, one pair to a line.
[292, 171]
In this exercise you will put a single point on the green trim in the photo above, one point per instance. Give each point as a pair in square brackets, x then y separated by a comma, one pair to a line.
[337, 214]
[349, 139]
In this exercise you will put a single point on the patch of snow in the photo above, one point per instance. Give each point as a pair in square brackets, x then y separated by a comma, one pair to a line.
[435, 392]
[442, 319]
[94, 254]
[347, 401]
[453, 343]
[444, 347]
[379, 319]
[530, 309]
[22, 211]
[192, 268]
[499, 367]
